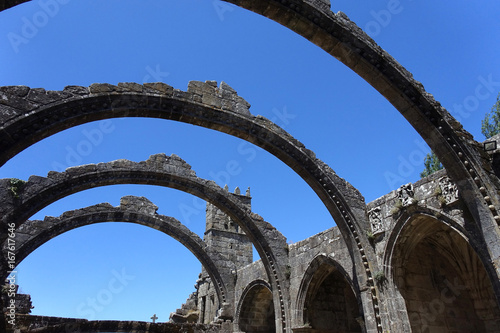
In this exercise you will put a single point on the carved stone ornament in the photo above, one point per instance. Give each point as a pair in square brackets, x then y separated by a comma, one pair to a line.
[405, 193]
[449, 190]
[376, 223]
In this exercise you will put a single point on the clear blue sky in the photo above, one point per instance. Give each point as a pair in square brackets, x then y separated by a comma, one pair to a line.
[452, 50]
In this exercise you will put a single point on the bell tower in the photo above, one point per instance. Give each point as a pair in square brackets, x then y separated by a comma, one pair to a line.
[225, 236]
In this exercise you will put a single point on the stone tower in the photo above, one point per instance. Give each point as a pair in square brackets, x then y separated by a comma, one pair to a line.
[226, 237]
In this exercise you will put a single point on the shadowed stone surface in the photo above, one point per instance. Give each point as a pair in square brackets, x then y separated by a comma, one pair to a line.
[40, 324]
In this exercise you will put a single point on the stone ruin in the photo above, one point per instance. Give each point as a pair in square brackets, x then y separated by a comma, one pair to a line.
[423, 258]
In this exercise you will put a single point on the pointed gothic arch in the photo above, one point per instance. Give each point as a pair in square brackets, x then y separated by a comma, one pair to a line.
[346, 42]
[441, 277]
[255, 311]
[455, 147]
[204, 105]
[327, 299]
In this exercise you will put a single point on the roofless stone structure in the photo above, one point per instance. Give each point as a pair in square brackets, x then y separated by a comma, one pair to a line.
[423, 258]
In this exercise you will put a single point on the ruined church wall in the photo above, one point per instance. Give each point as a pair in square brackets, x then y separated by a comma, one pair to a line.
[328, 243]
[435, 195]
[246, 275]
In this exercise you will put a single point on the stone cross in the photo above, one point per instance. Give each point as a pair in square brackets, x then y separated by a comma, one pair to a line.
[154, 318]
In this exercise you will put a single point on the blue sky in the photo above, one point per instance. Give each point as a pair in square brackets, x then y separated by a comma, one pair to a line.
[452, 50]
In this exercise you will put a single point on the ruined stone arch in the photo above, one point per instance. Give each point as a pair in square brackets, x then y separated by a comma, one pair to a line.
[328, 290]
[255, 310]
[345, 41]
[341, 38]
[407, 218]
[440, 276]
[204, 104]
[455, 147]
[32, 234]
[160, 170]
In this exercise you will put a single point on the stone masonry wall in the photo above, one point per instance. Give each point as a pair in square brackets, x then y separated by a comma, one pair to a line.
[434, 194]
[225, 236]
[44, 324]
[328, 243]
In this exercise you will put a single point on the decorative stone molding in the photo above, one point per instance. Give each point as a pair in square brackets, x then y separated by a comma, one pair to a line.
[449, 191]
[376, 222]
[406, 195]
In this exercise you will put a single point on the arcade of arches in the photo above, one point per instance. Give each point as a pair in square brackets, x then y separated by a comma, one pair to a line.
[424, 258]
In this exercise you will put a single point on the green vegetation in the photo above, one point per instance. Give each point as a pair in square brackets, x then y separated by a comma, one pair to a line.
[15, 186]
[490, 125]
[438, 192]
[398, 205]
[379, 277]
[431, 164]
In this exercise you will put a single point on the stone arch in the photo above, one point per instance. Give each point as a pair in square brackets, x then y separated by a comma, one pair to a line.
[345, 41]
[30, 115]
[456, 149]
[33, 114]
[32, 234]
[440, 277]
[405, 218]
[161, 170]
[255, 311]
[328, 300]
[477, 243]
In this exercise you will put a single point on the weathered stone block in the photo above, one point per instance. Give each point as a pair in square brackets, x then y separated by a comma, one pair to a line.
[130, 86]
[99, 88]
[77, 90]
[159, 87]
[41, 96]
